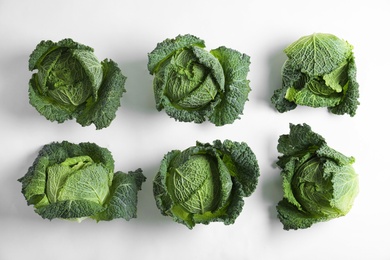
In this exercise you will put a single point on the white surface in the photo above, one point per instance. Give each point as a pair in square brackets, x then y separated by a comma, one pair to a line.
[126, 31]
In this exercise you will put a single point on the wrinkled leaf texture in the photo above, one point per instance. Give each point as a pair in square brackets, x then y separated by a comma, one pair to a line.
[237, 158]
[311, 75]
[299, 146]
[120, 202]
[108, 87]
[229, 102]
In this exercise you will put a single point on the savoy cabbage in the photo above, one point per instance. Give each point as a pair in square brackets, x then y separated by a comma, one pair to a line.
[194, 85]
[319, 183]
[320, 72]
[206, 183]
[77, 181]
[70, 82]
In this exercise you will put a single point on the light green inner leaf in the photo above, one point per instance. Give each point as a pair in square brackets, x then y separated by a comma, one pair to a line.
[78, 178]
[195, 185]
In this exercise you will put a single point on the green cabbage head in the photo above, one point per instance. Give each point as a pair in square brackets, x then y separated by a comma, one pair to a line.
[70, 82]
[195, 85]
[319, 183]
[77, 181]
[206, 183]
[320, 72]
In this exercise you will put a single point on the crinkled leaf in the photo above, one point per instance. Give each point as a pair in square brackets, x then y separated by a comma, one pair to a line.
[102, 111]
[45, 106]
[164, 49]
[187, 86]
[349, 103]
[123, 198]
[74, 181]
[34, 182]
[46, 47]
[92, 67]
[235, 67]
[300, 140]
[345, 185]
[70, 209]
[214, 64]
[314, 94]
[292, 218]
[237, 174]
[70, 80]
[318, 54]
[241, 162]
[318, 182]
[202, 95]
[192, 184]
[217, 94]
[91, 183]
[337, 78]
[320, 72]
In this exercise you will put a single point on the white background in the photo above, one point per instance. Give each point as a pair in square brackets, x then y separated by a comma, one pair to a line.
[126, 31]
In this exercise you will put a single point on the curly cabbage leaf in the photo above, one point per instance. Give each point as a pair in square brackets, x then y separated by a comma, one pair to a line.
[194, 85]
[319, 183]
[206, 183]
[77, 181]
[70, 82]
[320, 72]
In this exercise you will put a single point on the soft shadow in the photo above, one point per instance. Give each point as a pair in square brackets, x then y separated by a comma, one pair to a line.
[272, 191]
[147, 211]
[271, 185]
[14, 93]
[139, 94]
[275, 63]
[15, 206]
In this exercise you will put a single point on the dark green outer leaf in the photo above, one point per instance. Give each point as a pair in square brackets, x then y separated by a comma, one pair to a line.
[163, 200]
[34, 182]
[70, 209]
[349, 103]
[45, 47]
[281, 104]
[182, 115]
[123, 199]
[301, 139]
[44, 69]
[242, 163]
[45, 105]
[102, 112]
[289, 78]
[164, 49]
[98, 154]
[209, 61]
[236, 204]
[235, 67]
[327, 152]
[92, 67]
[293, 218]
